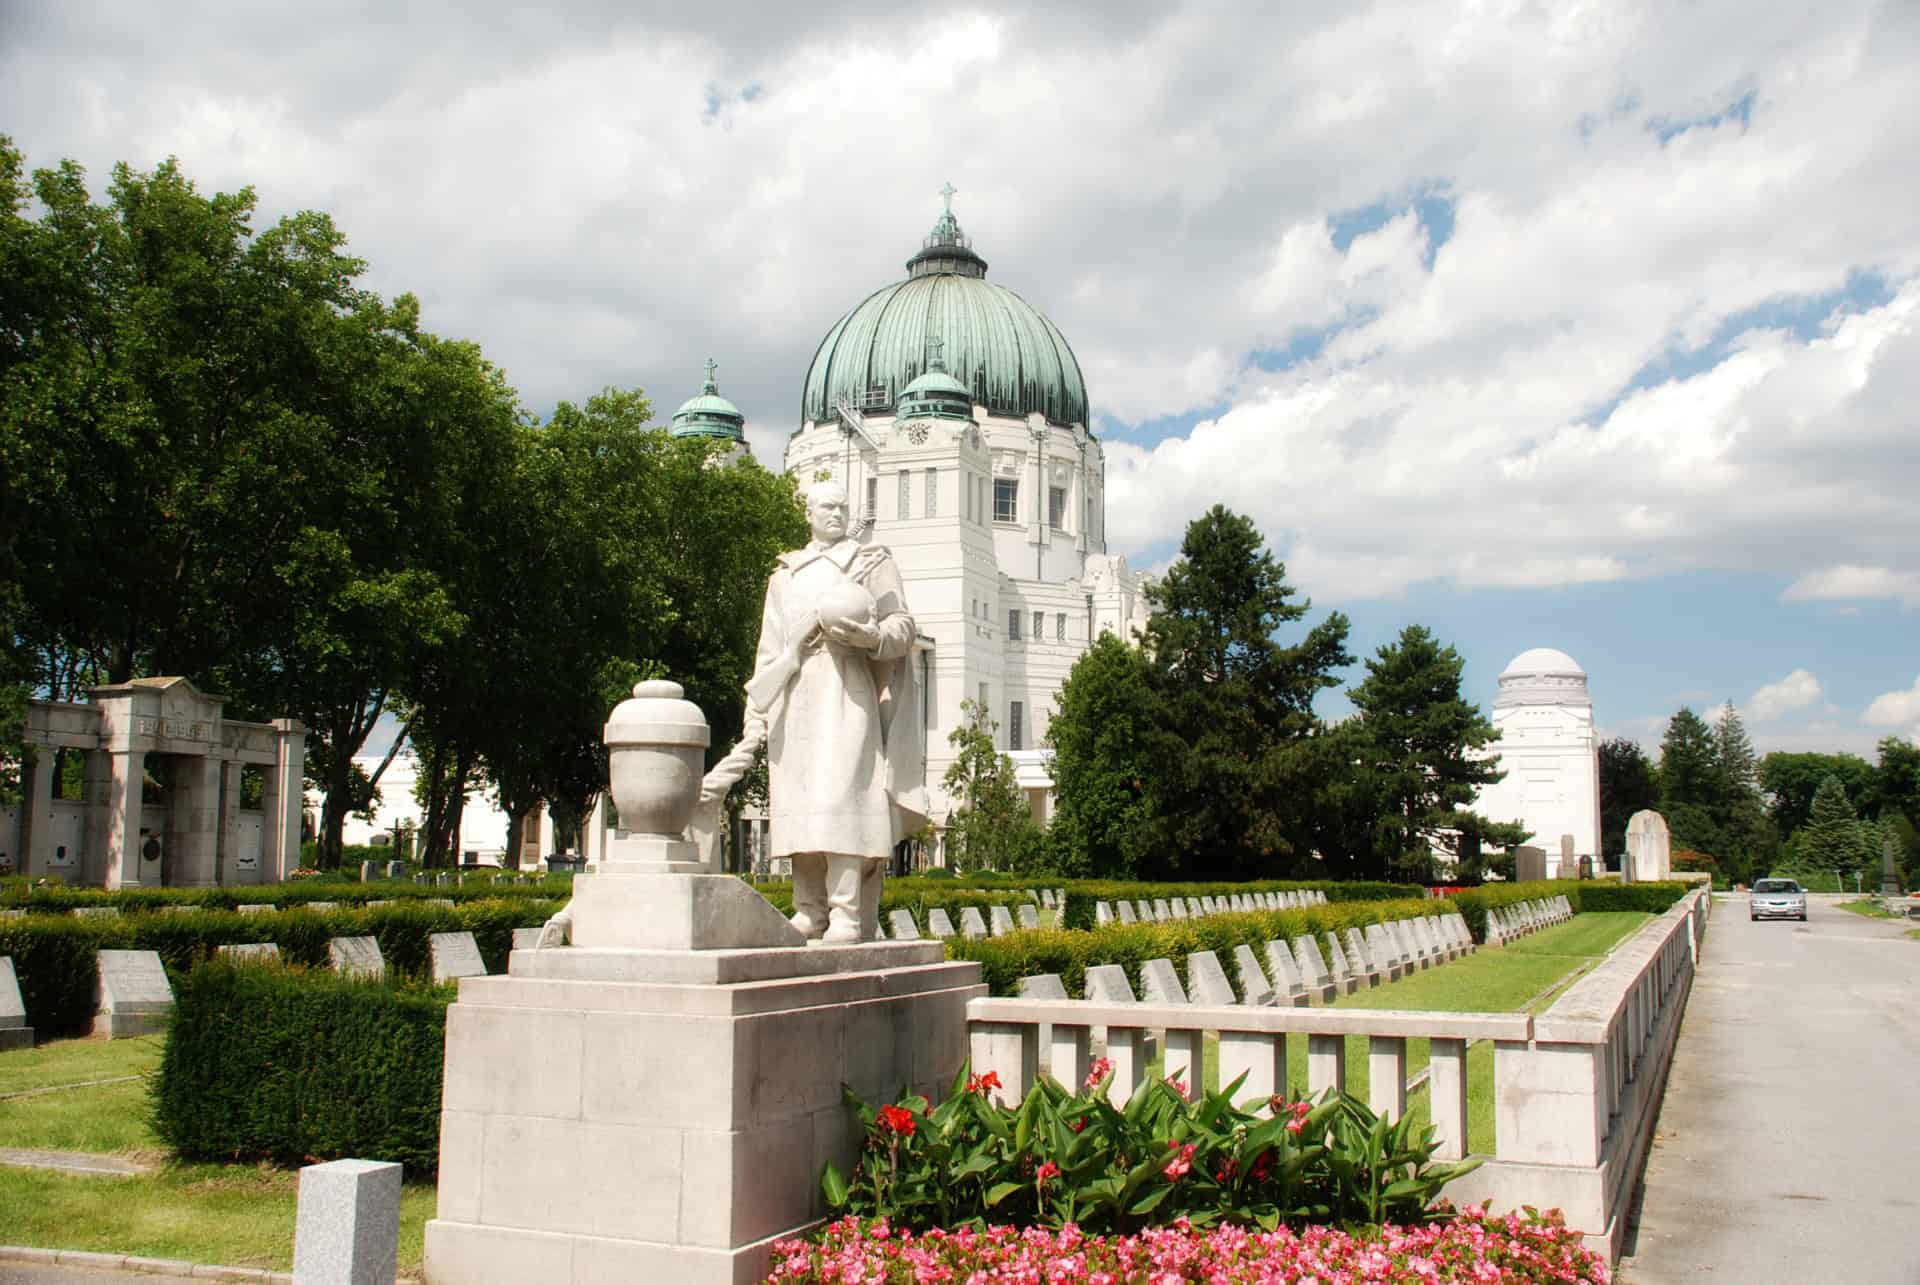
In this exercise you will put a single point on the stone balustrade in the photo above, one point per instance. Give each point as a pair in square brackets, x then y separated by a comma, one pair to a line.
[1576, 1087]
[1006, 1037]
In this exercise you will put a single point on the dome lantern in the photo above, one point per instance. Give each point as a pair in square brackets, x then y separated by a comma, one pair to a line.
[936, 394]
[709, 414]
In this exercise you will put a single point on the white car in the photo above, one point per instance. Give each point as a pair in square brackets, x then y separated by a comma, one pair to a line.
[1777, 899]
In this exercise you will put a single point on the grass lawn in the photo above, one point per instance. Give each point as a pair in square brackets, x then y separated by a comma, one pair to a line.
[1528, 974]
[232, 1215]
[1867, 908]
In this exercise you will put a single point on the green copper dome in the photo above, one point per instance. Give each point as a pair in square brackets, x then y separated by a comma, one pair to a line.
[709, 414]
[936, 394]
[1001, 351]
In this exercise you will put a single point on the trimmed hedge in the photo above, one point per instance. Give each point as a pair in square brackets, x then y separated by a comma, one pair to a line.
[294, 1066]
[1069, 952]
[54, 956]
[58, 899]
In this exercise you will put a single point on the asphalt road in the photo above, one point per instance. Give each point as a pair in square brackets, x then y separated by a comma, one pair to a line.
[1788, 1148]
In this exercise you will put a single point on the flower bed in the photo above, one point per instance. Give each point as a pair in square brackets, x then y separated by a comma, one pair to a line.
[1474, 1246]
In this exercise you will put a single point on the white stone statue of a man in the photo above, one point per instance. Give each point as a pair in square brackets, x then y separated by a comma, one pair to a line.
[834, 684]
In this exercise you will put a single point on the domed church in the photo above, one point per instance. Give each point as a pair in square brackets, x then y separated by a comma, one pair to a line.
[955, 415]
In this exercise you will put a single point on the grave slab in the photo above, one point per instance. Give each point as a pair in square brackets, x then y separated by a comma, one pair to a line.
[250, 952]
[1208, 980]
[357, 955]
[14, 1031]
[900, 920]
[347, 1230]
[455, 955]
[999, 922]
[132, 995]
[939, 926]
[971, 924]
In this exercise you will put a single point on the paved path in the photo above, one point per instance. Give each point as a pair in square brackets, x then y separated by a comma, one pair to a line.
[1788, 1147]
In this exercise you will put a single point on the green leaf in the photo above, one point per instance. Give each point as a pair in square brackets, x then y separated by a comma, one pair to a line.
[834, 1187]
[1000, 1191]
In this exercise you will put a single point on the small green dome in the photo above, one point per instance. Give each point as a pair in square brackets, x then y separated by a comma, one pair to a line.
[936, 394]
[709, 414]
[1000, 351]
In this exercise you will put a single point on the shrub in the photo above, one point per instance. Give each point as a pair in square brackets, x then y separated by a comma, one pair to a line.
[292, 1066]
[1070, 1157]
[54, 961]
[1521, 1249]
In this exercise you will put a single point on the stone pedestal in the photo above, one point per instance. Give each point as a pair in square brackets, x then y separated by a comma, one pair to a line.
[684, 1101]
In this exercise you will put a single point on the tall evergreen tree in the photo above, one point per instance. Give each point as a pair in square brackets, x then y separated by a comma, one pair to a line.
[1834, 838]
[1749, 840]
[1733, 752]
[1236, 800]
[1418, 740]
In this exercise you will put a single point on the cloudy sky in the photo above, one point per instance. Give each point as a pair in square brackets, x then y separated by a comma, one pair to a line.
[1594, 326]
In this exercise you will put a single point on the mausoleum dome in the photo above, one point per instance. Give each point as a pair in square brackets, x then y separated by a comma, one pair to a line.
[1542, 676]
[998, 347]
[708, 414]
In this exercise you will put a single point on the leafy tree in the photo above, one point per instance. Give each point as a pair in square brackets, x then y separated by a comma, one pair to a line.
[1896, 780]
[991, 821]
[1236, 799]
[1106, 743]
[1421, 742]
[1790, 781]
[1627, 786]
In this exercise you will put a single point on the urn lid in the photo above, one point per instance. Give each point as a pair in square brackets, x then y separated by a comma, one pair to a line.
[658, 713]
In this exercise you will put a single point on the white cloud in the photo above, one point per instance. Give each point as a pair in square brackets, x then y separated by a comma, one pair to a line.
[1896, 708]
[1852, 582]
[612, 196]
[1775, 700]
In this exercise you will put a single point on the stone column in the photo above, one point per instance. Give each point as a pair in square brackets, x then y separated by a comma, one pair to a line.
[194, 826]
[281, 800]
[99, 812]
[36, 810]
[227, 845]
[128, 771]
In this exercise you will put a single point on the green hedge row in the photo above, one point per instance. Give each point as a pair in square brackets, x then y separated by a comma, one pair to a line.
[297, 1066]
[54, 956]
[1070, 952]
[15, 894]
[1596, 895]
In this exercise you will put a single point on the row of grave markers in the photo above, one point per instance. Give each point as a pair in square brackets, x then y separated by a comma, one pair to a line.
[1000, 920]
[1161, 910]
[133, 996]
[1508, 923]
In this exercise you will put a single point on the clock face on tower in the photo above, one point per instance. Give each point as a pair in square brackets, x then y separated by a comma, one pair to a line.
[917, 434]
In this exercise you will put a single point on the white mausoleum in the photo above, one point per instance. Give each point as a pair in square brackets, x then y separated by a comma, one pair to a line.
[1551, 755]
[955, 415]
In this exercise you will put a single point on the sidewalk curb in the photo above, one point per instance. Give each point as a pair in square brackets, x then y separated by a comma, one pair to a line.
[134, 1264]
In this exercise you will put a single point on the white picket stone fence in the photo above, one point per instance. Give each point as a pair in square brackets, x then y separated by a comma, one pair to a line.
[1576, 1087]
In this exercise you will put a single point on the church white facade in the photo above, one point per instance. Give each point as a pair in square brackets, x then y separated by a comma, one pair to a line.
[955, 415]
[1551, 754]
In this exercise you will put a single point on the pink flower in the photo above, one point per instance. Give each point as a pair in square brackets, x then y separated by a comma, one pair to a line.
[1047, 1170]
[1100, 1070]
[1177, 1167]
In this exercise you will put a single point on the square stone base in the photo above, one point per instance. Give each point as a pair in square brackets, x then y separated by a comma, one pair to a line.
[15, 1037]
[644, 1129]
[120, 1025]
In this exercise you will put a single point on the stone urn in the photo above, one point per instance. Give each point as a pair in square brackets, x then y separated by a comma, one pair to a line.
[656, 752]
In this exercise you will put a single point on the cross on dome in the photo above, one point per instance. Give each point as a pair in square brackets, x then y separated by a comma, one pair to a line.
[712, 366]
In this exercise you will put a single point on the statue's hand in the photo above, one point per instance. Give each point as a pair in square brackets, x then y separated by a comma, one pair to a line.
[857, 634]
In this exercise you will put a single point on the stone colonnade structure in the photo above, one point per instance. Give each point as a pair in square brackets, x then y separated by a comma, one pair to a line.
[201, 837]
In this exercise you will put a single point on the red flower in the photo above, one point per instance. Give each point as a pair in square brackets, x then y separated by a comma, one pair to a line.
[1047, 1170]
[1080, 1125]
[981, 1083]
[897, 1119]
